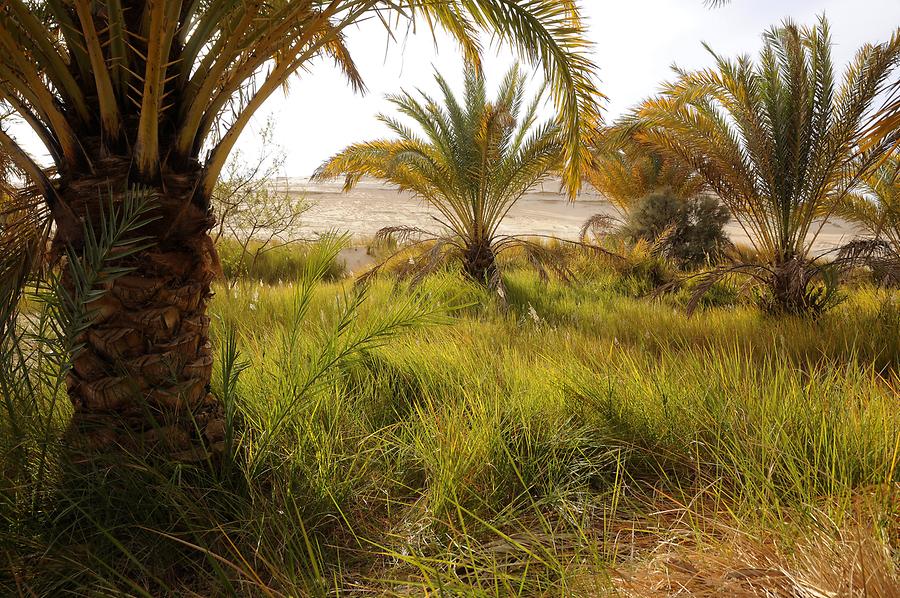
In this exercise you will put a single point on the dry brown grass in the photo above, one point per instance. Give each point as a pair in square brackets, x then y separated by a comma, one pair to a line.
[856, 556]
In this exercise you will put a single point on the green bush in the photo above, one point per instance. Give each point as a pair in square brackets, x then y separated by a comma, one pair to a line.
[692, 230]
[273, 265]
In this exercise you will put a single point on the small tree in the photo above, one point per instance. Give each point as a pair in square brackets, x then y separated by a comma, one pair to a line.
[253, 211]
[476, 160]
[657, 198]
[691, 231]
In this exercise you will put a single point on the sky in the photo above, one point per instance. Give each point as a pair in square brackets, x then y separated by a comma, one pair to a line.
[635, 44]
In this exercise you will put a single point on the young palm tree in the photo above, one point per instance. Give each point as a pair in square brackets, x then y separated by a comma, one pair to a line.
[156, 93]
[624, 171]
[779, 142]
[875, 206]
[476, 160]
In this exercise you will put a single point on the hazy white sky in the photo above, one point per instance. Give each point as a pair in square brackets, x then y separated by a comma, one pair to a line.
[636, 42]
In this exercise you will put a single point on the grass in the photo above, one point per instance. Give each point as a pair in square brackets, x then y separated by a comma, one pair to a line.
[573, 440]
[272, 264]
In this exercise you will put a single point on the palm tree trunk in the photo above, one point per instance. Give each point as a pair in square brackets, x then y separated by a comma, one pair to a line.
[140, 379]
[790, 289]
[480, 262]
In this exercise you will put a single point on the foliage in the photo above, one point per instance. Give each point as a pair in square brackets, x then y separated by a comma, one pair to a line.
[272, 264]
[170, 78]
[41, 488]
[637, 180]
[624, 171]
[252, 211]
[692, 230]
[778, 141]
[476, 160]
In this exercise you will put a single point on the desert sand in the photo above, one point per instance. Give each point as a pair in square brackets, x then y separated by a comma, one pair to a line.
[371, 206]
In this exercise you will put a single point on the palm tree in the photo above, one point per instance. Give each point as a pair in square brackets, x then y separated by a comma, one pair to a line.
[156, 93]
[779, 142]
[476, 160]
[875, 207]
[624, 171]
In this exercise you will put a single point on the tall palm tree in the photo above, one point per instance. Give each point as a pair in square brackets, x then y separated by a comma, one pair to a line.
[156, 93]
[779, 142]
[476, 160]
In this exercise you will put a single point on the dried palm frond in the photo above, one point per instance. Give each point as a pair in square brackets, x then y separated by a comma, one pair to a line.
[400, 234]
[545, 260]
[875, 207]
[598, 227]
[25, 227]
[877, 255]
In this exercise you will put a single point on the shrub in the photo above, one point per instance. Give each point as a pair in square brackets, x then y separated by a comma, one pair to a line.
[691, 231]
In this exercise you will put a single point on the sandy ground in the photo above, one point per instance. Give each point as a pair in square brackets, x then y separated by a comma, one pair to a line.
[372, 206]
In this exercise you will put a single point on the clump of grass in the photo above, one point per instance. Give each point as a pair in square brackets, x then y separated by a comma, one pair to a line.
[276, 264]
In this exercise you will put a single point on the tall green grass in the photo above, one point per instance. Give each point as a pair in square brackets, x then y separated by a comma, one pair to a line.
[438, 440]
[271, 264]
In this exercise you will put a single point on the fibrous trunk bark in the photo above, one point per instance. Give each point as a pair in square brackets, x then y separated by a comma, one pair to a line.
[792, 291]
[140, 379]
[480, 262]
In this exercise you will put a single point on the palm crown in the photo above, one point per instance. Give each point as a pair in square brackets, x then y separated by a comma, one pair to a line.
[476, 159]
